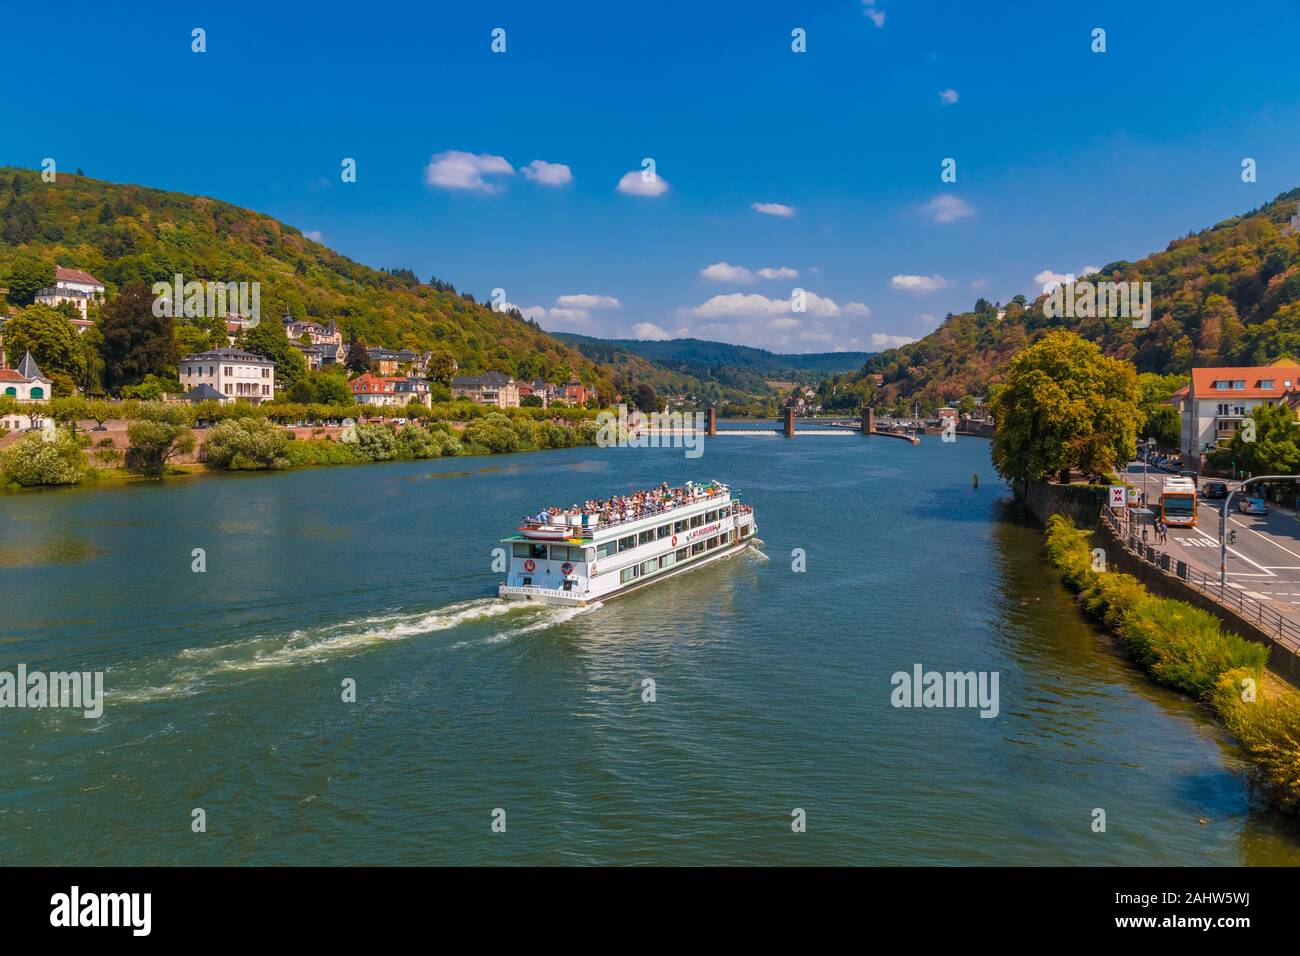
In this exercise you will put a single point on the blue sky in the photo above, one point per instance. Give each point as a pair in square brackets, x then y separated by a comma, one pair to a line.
[1065, 158]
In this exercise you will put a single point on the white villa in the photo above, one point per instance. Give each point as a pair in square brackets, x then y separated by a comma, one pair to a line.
[233, 373]
[75, 286]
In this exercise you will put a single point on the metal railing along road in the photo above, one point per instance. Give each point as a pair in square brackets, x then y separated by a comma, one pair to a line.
[1282, 627]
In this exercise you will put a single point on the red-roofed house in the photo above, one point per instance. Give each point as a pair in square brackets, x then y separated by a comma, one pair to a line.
[1219, 398]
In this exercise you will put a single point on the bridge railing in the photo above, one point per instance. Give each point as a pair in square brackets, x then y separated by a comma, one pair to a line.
[1284, 628]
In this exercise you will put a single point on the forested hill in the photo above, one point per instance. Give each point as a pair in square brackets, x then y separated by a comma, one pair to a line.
[699, 353]
[1229, 295]
[125, 234]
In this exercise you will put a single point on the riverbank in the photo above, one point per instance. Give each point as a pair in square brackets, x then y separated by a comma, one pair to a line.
[1186, 648]
[161, 443]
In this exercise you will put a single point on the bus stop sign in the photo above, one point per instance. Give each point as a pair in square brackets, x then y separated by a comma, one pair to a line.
[1117, 496]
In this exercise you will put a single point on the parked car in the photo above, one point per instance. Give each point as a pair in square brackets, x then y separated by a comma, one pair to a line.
[1252, 506]
[1214, 489]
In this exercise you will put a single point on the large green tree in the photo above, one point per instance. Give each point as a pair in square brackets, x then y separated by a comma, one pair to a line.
[1064, 405]
[137, 342]
[50, 337]
[268, 340]
[1266, 443]
[26, 276]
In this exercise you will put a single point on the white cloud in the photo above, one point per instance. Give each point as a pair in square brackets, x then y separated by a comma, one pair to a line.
[726, 272]
[587, 301]
[876, 16]
[772, 209]
[948, 97]
[882, 340]
[771, 323]
[919, 283]
[1049, 280]
[648, 330]
[947, 208]
[753, 304]
[314, 235]
[459, 170]
[780, 272]
[547, 174]
[632, 184]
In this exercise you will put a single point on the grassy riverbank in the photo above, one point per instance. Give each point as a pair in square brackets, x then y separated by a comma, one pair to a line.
[1187, 648]
[160, 435]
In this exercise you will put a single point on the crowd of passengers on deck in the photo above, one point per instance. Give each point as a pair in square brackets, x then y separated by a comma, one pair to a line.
[625, 507]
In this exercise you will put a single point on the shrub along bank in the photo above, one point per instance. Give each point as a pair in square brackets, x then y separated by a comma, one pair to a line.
[1185, 647]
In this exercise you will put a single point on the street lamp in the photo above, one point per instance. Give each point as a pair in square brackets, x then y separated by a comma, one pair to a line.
[1223, 521]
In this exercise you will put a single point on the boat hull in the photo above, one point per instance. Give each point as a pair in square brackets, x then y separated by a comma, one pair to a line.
[563, 598]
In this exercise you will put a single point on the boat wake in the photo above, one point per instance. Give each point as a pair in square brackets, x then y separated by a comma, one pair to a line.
[190, 671]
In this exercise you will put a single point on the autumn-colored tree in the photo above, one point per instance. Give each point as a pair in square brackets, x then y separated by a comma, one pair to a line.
[1064, 405]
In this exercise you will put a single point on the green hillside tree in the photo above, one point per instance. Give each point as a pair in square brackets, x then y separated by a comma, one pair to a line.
[137, 343]
[1064, 405]
[268, 340]
[26, 276]
[50, 337]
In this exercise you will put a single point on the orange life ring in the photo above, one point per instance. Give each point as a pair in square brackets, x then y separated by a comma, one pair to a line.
[530, 564]
[674, 541]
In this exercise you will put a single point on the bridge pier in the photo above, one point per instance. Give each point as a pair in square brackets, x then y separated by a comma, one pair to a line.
[789, 421]
[711, 422]
[868, 421]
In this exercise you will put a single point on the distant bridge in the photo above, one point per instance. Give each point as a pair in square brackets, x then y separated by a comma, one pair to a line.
[866, 425]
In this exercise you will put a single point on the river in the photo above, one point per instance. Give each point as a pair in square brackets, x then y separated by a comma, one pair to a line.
[772, 687]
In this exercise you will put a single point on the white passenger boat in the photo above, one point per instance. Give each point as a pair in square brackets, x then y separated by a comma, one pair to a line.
[605, 549]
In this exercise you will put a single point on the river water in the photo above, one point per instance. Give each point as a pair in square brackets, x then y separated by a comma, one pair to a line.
[772, 687]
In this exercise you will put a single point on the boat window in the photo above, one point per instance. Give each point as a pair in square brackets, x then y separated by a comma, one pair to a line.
[697, 520]
[628, 574]
[589, 555]
[627, 544]
[520, 550]
[680, 554]
[604, 549]
[537, 551]
[697, 548]
[646, 537]
[528, 582]
[664, 530]
[649, 567]
[559, 552]
[667, 560]
[679, 527]
[713, 543]
[710, 516]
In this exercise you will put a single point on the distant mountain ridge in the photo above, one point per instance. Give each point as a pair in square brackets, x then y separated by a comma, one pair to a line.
[709, 354]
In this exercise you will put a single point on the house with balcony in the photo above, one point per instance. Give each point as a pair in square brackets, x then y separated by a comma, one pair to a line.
[327, 339]
[491, 388]
[75, 286]
[1213, 405]
[235, 374]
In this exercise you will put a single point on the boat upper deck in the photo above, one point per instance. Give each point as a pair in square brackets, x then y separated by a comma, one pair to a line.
[594, 517]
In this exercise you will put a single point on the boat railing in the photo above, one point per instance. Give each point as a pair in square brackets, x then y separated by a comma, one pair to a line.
[589, 530]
